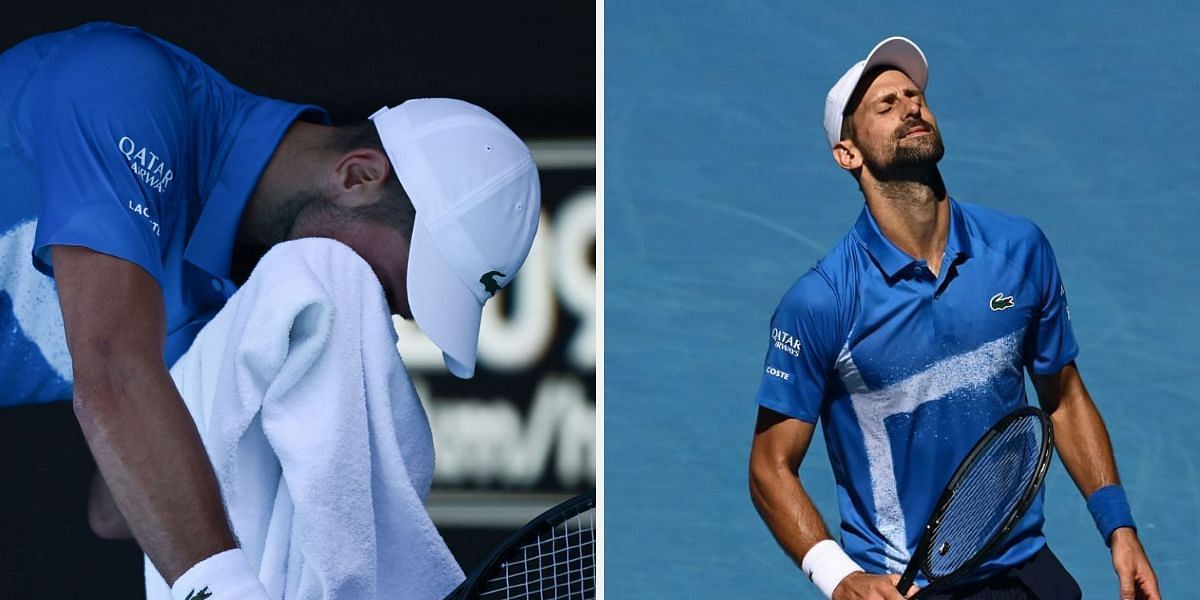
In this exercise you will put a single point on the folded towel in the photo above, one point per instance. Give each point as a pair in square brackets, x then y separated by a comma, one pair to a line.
[319, 442]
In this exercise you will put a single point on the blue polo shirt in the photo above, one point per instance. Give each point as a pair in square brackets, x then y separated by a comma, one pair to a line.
[120, 142]
[906, 370]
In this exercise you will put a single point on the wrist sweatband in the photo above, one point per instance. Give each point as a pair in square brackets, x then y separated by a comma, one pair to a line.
[224, 576]
[1110, 510]
[826, 564]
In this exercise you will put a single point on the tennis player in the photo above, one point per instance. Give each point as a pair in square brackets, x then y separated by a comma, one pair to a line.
[146, 185]
[907, 342]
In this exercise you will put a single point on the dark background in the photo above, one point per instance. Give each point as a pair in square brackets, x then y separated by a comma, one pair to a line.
[532, 64]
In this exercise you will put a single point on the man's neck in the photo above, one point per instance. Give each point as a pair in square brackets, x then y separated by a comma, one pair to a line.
[294, 171]
[913, 214]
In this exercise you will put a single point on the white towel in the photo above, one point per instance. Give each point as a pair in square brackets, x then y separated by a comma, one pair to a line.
[321, 446]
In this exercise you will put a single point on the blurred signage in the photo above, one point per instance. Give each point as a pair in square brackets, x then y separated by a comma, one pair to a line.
[527, 420]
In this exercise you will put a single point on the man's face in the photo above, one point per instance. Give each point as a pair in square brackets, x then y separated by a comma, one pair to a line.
[894, 128]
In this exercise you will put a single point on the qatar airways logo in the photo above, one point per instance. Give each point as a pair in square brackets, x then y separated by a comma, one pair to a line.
[147, 165]
[786, 342]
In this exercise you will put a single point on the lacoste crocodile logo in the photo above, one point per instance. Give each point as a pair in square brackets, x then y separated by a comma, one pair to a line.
[200, 595]
[1001, 302]
[489, 282]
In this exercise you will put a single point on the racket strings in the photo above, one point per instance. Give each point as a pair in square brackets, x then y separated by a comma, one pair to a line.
[986, 495]
[557, 563]
[572, 582]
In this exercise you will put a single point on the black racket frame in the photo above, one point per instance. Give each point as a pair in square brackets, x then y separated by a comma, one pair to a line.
[924, 548]
[553, 517]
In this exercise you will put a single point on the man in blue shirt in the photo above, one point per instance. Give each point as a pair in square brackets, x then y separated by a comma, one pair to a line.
[137, 183]
[907, 341]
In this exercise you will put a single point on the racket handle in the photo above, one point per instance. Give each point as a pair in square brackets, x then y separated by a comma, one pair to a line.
[906, 581]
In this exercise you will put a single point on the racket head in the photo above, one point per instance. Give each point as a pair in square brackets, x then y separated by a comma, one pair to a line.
[554, 555]
[986, 497]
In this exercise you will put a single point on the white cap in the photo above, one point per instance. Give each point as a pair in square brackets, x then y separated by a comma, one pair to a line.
[476, 193]
[897, 52]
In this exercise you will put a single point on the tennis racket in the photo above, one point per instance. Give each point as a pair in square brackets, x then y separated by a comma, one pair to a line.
[553, 556]
[986, 497]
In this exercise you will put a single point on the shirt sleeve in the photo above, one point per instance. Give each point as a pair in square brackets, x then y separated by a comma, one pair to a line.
[1050, 342]
[801, 349]
[107, 109]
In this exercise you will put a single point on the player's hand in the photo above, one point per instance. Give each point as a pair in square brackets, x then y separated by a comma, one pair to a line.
[1133, 568]
[864, 586]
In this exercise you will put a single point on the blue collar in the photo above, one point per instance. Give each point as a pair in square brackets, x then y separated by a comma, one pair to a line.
[958, 243]
[892, 260]
[210, 245]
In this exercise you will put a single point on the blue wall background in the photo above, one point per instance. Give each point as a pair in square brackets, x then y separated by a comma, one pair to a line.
[720, 191]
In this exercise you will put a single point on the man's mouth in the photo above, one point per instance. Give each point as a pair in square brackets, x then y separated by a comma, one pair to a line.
[919, 130]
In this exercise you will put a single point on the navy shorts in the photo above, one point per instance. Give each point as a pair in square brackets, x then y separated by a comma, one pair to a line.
[1041, 577]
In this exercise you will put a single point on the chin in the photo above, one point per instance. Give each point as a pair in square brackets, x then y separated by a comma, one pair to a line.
[924, 150]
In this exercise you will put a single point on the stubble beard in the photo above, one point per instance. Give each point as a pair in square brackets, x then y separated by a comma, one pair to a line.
[913, 159]
[919, 153]
[301, 215]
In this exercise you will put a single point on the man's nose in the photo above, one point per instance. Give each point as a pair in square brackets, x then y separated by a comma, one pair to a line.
[912, 108]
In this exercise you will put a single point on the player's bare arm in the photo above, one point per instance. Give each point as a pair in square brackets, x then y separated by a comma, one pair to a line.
[143, 440]
[104, 518]
[780, 443]
[1085, 449]
[779, 446]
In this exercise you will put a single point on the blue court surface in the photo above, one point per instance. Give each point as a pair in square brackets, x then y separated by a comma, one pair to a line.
[720, 192]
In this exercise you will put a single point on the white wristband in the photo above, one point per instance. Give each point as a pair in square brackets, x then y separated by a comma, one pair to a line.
[826, 564]
[224, 576]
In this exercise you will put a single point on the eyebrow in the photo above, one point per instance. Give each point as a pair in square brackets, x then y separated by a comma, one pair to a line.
[891, 96]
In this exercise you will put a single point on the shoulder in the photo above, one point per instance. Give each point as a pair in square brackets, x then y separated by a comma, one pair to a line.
[104, 80]
[98, 41]
[816, 298]
[810, 313]
[1006, 233]
[102, 57]
[812, 289]
[832, 282]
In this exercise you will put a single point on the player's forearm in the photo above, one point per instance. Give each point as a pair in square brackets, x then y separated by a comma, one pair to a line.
[1082, 440]
[786, 508]
[147, 447]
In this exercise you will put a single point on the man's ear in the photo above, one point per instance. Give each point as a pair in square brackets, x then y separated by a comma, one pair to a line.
[847, 155]
[358, 176]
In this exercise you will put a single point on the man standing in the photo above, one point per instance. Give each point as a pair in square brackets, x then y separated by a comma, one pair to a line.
[142, 181]
[907, 342]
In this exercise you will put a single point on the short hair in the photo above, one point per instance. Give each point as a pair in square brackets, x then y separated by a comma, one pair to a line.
[848, 126]
[395, 209]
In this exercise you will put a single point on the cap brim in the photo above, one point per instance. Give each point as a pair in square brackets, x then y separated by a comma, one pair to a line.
[442, 305]
[901, 53]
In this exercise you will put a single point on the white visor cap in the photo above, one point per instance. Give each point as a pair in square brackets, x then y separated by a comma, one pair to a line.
[897, 52]
[477, 197]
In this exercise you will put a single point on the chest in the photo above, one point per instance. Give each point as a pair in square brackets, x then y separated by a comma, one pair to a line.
[970, 318]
